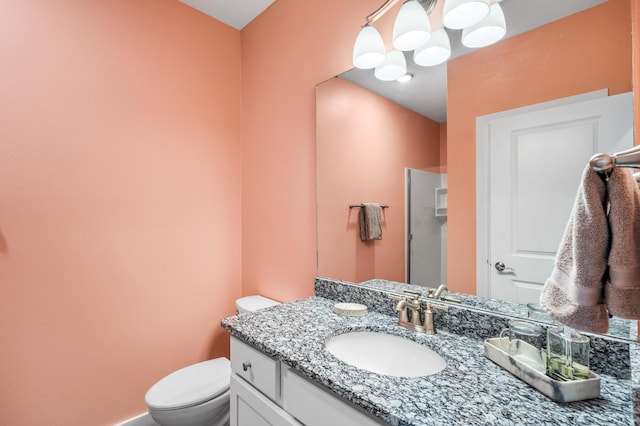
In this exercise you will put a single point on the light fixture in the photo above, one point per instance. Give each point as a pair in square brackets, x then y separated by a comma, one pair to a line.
[488, 31]
[412, 28]
[404, 78]
[393, 67]
[459, 14]
[368, 51]
[435, 52]
[481, 23]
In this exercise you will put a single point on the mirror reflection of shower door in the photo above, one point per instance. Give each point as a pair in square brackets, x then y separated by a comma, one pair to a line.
[537, 159]
[424, 229]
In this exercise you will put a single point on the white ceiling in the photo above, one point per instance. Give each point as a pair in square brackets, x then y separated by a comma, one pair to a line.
[235, 13]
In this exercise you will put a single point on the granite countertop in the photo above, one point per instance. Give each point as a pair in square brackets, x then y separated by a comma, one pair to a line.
[471, 390]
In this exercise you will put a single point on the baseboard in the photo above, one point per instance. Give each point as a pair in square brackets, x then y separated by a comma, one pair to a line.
[143, 419]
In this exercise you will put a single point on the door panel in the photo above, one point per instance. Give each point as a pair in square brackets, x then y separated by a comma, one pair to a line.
[536, 163]
[424, 239]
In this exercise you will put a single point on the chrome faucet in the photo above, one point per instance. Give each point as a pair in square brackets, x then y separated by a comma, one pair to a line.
[414, 307]
[437, 294]
[401, 306]
[438, 291]
[404, 306]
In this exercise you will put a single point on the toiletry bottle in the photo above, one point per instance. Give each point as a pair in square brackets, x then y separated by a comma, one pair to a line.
[567, 354]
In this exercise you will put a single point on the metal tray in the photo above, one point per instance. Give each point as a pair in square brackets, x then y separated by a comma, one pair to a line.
[559, 391]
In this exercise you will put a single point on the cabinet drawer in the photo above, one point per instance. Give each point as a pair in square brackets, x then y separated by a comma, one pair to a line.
[256, 368]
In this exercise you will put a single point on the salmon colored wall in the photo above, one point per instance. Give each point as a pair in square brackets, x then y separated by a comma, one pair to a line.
[120, 193]
[443, 147]
[364, 143]
[560, 59]
[286, 51]
[119, 202]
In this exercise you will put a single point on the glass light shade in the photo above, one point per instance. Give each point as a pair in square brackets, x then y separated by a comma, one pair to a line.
[487, 32]
[412, 28]
[459, 14]
[404, 78]
[393, 67]
[368, 51]
[436, 51]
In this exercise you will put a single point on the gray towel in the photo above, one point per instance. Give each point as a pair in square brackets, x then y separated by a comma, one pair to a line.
[573, 294]
[370, 221]
[622, 290]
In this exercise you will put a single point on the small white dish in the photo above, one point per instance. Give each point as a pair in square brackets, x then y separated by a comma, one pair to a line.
[350, 309]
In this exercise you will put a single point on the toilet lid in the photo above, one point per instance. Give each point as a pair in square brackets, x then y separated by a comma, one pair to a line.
[254, 303]
[190, 385]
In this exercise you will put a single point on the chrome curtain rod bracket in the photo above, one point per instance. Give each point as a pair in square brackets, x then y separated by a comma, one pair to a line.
[603, 163]
[379, 12]
[428, 5]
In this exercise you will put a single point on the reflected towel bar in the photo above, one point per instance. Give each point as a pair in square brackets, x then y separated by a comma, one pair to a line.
[351, 206]
[603, 163]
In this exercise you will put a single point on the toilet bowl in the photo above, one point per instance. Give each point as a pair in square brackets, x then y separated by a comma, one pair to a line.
[192, 396]
[198, 395]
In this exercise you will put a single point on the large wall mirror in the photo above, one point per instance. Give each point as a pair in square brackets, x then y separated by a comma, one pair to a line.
[368, 144]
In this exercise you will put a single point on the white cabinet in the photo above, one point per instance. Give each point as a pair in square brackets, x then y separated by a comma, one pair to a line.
[255, 388]
[264, 393]
[314, 406]
[251, 408]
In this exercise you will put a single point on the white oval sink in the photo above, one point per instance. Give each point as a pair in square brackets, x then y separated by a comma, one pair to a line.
[385, 354]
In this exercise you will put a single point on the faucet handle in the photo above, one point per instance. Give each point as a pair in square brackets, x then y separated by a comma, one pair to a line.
[395, 297]
[416, 294]
[450, 299]
[429, 326]
[436, 306]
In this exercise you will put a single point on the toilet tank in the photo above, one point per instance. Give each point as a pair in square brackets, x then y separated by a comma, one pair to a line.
[253, 303]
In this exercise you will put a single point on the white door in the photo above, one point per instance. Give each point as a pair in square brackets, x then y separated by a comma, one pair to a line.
[423, 233]
[536, 162]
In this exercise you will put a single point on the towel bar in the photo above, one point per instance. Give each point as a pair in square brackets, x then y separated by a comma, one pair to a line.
[351, 206]
[605, 162]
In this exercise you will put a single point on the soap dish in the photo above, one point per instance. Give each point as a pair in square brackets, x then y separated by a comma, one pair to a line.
[568, 391]
[350, 309]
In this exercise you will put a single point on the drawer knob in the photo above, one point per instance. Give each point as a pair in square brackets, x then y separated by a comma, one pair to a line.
[246, 366]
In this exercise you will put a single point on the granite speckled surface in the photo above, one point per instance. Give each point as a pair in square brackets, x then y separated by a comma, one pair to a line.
[471, 390]
[635, 377]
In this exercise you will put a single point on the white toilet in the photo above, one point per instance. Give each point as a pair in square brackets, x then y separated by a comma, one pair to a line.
[198, 395]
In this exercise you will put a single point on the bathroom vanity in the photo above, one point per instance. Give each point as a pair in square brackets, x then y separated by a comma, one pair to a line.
[265, 391]
[283, 375]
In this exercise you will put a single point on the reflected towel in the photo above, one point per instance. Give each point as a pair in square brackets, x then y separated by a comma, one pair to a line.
[370, 221]
[573, 294]
[622, 290]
